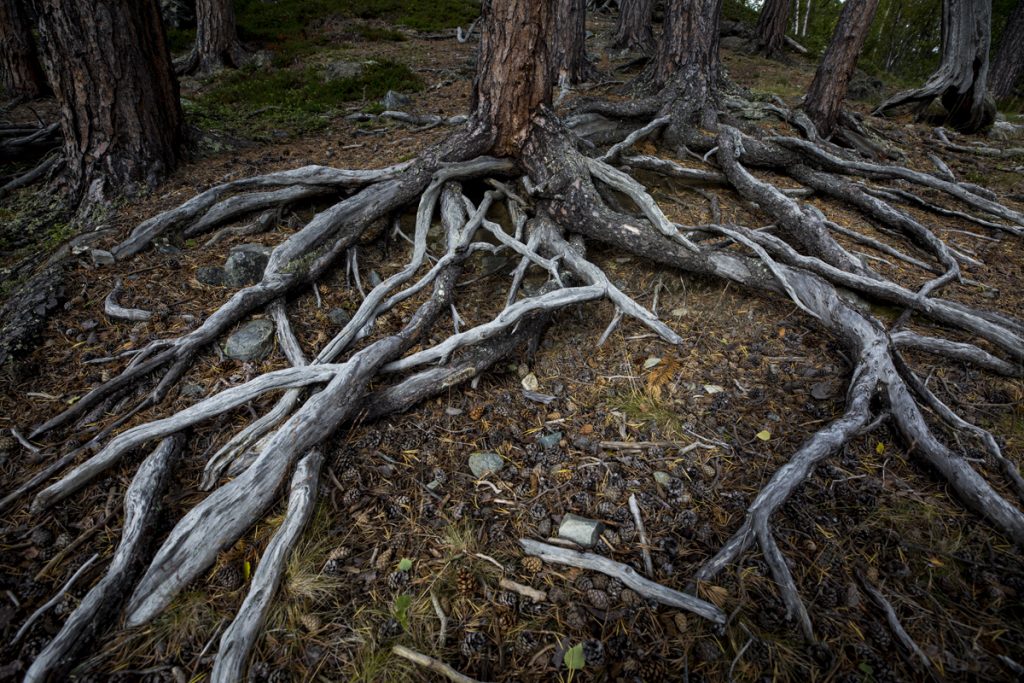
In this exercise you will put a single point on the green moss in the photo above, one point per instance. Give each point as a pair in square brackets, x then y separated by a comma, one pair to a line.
[258, 104]
[379, 35]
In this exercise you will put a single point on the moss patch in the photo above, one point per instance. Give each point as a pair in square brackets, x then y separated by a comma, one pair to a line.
[259, 104]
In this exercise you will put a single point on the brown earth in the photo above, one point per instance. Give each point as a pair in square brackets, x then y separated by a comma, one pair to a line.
[402, 488]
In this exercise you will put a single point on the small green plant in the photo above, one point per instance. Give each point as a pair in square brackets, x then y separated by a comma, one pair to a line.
[574, 659]
[401, 610]
[405, 564]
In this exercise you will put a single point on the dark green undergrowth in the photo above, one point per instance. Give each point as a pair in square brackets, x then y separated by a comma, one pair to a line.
[260, 104]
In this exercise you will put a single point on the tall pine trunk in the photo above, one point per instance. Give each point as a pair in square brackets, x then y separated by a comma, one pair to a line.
[217, 43]
[828, 89]
[1008, 64]
[111, 75]
[20, 69]
[961, 80]
[569, 42]
[688, 60]
[771, 26]
[633, 29]
[514, 74]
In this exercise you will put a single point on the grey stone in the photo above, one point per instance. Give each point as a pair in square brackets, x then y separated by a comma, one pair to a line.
[339, 316]
[245, 264]
[864, 87]
[394, 101]
[210, 275]
[663, 478]
[483, 463]
[550, 440]
[734, 43]
[251, 341]
[101, 257]
[192, 390]
[580, 530]
[375, 278]
[336, 71]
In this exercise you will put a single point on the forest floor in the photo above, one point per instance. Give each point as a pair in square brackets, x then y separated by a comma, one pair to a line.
[752, 380]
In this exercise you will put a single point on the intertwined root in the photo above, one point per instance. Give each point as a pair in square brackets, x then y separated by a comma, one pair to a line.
[561, 191]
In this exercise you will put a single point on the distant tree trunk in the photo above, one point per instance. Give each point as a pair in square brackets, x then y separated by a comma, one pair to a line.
[217, 43]
[514, 75]
[633, 29]
[771, 26]
[111, 74]
[688, 60]
[1008, 65]
[962, 77]
[19, 63]
[569, 42]
[828, 89]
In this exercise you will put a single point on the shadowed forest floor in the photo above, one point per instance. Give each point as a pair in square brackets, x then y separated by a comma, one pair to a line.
[751, 382]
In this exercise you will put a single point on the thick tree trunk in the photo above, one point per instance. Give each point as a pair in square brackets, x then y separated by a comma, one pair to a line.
[111, 74]
[19, 64]
[1008, 65]
[689, 59]
[962, 77]
[216, 38]
[569, 42]
[633, 30]
[771, 26]
[514, 76]
[828, 89]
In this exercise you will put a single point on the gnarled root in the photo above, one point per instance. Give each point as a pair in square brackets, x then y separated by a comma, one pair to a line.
[563, 190]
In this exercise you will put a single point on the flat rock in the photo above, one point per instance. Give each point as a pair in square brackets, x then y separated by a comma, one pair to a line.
[339, 316]
[580, 530]
[210, 275]
[395, 101]
[252, 341]
[549, 440]
[339, 70]
[483, 463]
[101, 257]
[245, 264]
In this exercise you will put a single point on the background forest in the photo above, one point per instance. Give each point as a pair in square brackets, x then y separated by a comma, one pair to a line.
[611, 340]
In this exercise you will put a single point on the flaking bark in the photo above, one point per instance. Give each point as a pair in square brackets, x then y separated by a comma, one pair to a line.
[1008, 64]
[20, 69]
[111, 74]
[828, 89]
[633, 29]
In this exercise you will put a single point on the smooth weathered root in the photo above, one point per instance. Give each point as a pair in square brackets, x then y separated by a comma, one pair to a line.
[238, 640]
[562, 190]
[627, 575]
[100, 607]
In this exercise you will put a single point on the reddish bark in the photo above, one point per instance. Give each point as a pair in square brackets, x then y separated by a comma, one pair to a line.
[828, 89]
[111, 75]
[20, 69]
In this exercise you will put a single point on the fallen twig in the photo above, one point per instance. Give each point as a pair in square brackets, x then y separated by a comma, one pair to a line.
[54, 600]
[435, 665]
[634, 507]
[525, 591]
[627, 575]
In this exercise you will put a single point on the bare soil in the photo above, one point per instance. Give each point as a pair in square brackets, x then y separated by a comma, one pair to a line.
[402, 488]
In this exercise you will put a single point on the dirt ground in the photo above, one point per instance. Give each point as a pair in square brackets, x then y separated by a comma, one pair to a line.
[752, 380]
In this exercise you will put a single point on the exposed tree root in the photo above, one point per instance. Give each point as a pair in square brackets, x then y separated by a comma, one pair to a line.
[562, 190]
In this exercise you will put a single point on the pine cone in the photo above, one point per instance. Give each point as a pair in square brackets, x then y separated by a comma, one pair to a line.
[532, 564]
[397, 580]
[229, 577]
[597, 598]
[383, 560]
[311, 622]
[507, 599]
[465, 580]
[473, 643]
